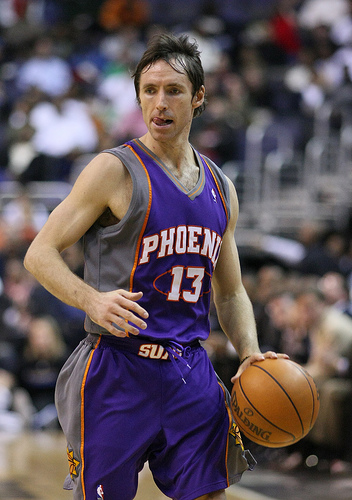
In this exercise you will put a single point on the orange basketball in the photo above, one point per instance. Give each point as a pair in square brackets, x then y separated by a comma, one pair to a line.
[275, 402]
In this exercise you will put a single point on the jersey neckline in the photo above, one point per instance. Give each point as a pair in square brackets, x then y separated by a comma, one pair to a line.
[196, 190]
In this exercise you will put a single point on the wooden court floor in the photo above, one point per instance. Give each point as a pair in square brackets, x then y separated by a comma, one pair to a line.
[34, 465]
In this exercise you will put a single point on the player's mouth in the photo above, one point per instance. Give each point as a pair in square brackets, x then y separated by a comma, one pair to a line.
[162, 122]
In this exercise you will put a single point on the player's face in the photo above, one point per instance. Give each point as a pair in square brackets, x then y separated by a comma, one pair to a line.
[167, 101]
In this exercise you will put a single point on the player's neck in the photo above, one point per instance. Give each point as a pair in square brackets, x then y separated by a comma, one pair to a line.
[176, 155]
[178, 158]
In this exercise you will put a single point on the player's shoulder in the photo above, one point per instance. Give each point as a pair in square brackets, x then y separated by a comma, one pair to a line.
[103, 165]
[100, 176]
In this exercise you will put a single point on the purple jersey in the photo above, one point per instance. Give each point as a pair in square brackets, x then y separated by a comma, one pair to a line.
[125, 401]
[172, 255]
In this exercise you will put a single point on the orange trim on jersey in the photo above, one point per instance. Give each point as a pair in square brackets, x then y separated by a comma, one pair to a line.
[82, 416]
[228, 433]
[200, 187]
[145, 219]
[217, 185]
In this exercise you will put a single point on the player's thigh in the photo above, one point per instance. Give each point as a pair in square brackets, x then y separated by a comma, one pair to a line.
[120, 418]
[190, 457]
[108, 416]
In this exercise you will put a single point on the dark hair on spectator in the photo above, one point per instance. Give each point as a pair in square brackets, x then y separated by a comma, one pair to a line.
[181, 54]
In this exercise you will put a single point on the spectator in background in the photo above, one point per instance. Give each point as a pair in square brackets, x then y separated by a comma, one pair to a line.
[323, 250]
[284, 29]
[117, 108]
[327, 76]
[335, 289]
[24, 217]
[116, 14]
[17, 282]
[287, 336]
[44, 70]
[68, 118]
[313, 13]
[269, 280]
[207, 33]
[221, 131]
[217, 135]
[330, 334]
[16, 408]
[43, 355]
[341, 29]
[301, 79]
[17, 285]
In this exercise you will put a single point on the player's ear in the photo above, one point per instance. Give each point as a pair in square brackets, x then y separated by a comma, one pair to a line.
[198, 97]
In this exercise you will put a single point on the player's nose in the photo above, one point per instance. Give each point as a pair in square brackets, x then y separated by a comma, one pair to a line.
[161, 103]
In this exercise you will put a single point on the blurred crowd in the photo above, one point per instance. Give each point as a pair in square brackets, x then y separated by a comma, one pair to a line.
[66, 94]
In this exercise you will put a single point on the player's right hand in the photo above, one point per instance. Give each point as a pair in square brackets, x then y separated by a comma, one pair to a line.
[118, 312]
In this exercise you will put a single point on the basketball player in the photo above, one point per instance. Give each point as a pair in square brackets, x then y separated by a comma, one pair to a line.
[158, 221]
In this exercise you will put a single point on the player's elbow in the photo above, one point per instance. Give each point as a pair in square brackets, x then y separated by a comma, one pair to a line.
[30, 259]
[27, 261]
[229, 294]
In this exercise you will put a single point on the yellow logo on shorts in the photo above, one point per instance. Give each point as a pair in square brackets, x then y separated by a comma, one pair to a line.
[153, 351]
[234, 430]
[73, 463]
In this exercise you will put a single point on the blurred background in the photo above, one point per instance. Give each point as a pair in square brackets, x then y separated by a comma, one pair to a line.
[279, 124]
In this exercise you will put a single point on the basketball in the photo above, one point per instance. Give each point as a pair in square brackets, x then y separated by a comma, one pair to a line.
[275, 402]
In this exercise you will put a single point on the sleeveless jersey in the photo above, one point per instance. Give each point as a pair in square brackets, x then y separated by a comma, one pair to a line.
[166, 246]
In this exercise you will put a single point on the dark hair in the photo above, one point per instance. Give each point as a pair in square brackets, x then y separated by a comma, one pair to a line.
[179, 53]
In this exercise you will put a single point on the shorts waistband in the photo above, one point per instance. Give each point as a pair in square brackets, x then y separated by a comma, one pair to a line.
[150, 349]
[145, 347]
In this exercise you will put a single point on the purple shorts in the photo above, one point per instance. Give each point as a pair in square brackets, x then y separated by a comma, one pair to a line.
[122, 402]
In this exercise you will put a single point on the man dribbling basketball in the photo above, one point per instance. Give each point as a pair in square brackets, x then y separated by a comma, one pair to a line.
[158, 220]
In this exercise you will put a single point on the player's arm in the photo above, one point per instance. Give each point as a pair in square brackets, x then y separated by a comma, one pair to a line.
[102, 184]
[234, 308]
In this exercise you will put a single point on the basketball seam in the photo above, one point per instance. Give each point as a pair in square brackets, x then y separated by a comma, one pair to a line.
[288, 396]
[302, 370]
[259, 413]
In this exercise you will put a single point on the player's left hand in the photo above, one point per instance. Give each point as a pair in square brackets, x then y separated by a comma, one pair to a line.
[257, 356]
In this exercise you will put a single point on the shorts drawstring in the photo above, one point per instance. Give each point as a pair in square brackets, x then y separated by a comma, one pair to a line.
[176, 350]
